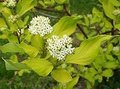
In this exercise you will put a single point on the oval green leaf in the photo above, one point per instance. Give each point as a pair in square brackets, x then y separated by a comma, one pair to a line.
[40, 66]
[61, 75]
[87, 51]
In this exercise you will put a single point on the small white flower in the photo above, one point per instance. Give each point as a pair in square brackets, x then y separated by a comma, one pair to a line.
[12, 18]
[116, 12]
[60, 47]
[20, 31]
[10, 3]
[40, 25]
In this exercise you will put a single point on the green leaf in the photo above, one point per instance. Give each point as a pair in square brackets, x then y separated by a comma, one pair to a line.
[12, 38]
[109, 48]
[117, 26]
[14, 65]
[6, 12]
[2, 23]
[109, 57]
[97, 16]
[61, 75]
[59, 8]
[21, 72]
[107, 73]
[87, 51]
[25, 5]
[30, 50]
[99, 62]
[99, 78]
[14, 58]
[72, 83]
[26, 19]
[22, 23]
[109, 7]
[40, 66]
[111, 64]
[37, 41]
[65, 25]
[49, 2]
[11, 47]
[90, 74]
[60, 1]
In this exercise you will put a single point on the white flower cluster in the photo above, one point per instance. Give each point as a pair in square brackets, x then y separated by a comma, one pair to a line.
[13, 18]
[60, 47]
[40, 25]
[10, 3]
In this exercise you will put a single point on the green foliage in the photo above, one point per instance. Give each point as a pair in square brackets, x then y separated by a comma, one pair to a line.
[82, 6]
[87, 51]
[41, 67]
[11, 47]
[30, 50]
[72, 83]
[23, 6]
[65, 25]
[95, 42]
[61, 75]
[2, 23]
[60, 1]
[37, 42]
[14, 66]
[109, 7]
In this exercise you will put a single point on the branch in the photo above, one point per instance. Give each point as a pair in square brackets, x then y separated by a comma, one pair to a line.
[18, 37]
[79, 27]
[82, 31]
[66, 10]
[49, 10]
[112, 30]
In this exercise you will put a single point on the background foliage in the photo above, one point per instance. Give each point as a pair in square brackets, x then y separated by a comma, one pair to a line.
[95, 28]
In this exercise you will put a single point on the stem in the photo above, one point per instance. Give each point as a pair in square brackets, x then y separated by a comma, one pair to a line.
[85, 35]
[48, 10]
[48, 56]
[112, 30]
[18, 37]
[66, 10]
[106, 32]
[79, 27]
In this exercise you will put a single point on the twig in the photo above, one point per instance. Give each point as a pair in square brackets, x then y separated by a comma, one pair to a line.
[112, 30]
[48, 10]
[66, 10]
[82, 31]
[18, 37]
[48, 15]
[79, 27]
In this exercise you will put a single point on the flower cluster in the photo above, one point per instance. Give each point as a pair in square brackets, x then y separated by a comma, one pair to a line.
[10, 3]
[40, 25]
[60, 47]
[13, 18]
